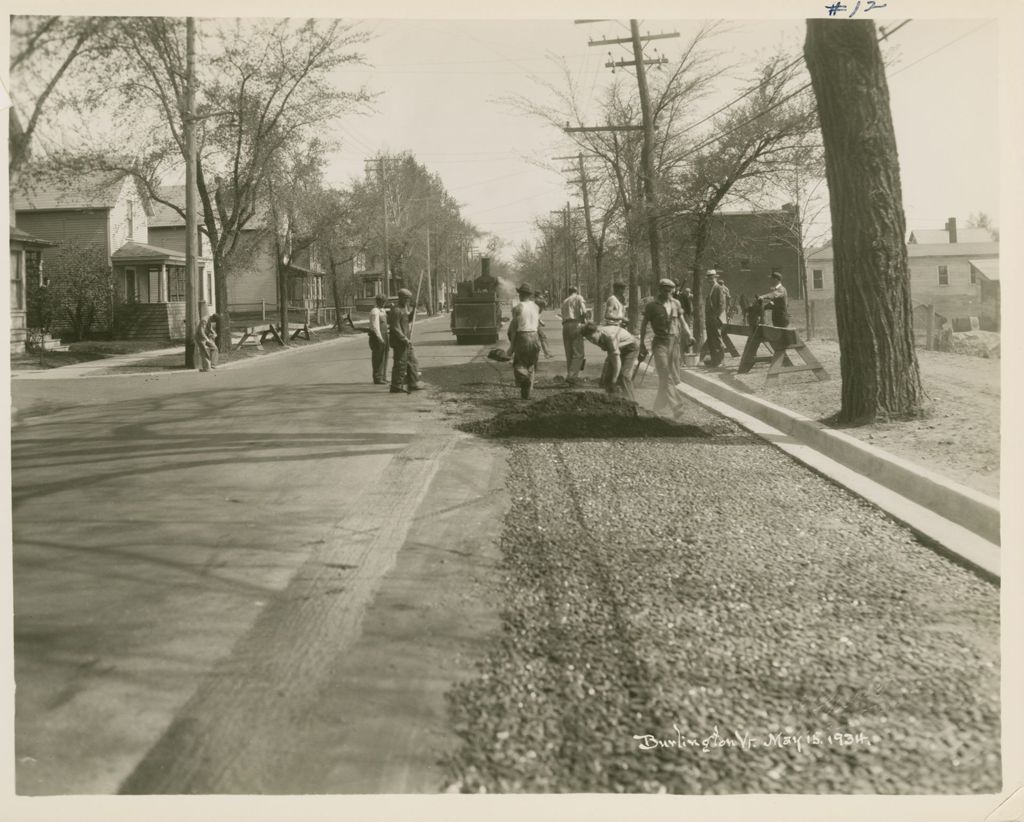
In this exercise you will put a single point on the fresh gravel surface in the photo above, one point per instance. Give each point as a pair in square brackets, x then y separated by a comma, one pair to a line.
[704, 615]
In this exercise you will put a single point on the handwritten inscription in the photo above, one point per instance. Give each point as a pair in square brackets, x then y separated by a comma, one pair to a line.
[836, 8]
[746, 741]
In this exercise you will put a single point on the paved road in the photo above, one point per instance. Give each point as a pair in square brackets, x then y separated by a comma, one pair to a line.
[267, 579]
[196, 558]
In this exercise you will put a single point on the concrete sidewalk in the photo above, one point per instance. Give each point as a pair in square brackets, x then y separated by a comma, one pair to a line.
[96, 367]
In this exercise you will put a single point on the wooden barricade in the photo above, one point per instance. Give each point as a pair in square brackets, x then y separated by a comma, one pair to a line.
[780, 342]
[252, 331]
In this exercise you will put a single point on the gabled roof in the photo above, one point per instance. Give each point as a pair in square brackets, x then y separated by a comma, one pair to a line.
[926, 250]
[144, 251]
[989, 269]
[164, 216]
[47, 192]
[22, 236]
[940, 235]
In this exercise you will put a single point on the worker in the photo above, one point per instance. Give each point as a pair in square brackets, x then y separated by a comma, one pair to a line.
[379, 341]
[522, 333]
[403, 378]
[622, 349]
[615, 305]
[778, 299]
[574, 314]
[665, 316]
[205, 350]
[715, 310]
[541, 305]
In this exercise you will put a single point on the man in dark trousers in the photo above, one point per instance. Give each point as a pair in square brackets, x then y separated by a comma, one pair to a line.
[379, 341]
[778, 299]
[716, 307]
[403, 378]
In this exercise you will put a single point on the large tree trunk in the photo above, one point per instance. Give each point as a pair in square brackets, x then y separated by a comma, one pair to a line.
[220, 288]
[874, 313]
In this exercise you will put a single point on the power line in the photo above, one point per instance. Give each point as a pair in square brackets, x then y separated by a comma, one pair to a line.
[772, 107]
[799, 58]
[940, 48]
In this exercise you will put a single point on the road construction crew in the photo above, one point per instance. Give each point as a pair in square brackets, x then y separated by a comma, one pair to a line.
[665, 316]
[622, 349]
[574, 313]
[403, 378]
[522, 333]
[615, 305]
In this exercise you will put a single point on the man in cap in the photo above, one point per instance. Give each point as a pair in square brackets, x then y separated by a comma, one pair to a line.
[665, 316]
[522, 333]
[615, 305]
[621, 348]
[403, 377]
[716, 307]
[778, 299]
[379, 341]
[574, 313]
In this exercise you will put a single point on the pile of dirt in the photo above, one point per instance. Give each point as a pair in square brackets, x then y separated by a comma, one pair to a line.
[582, 414]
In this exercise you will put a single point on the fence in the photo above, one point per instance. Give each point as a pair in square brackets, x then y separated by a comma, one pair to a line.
[928, 323]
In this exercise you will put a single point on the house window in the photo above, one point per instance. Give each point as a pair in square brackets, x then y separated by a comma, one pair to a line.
[131, 220]
[818, 279]
[943, 275]
[17, 282]
[131, 293]
[34, 267]
[176, 285]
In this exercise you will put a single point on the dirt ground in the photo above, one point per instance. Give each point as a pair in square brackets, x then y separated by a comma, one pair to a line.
[958, 435]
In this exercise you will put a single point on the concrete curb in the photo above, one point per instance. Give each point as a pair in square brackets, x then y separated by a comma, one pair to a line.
[970, 509]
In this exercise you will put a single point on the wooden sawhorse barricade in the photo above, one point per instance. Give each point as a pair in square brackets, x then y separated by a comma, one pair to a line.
[251, 331]
[780, 342]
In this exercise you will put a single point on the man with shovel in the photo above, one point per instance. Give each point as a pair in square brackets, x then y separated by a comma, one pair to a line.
[404, 373]
[665, 316]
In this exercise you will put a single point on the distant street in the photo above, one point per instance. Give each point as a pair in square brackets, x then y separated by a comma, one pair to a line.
[279, 578]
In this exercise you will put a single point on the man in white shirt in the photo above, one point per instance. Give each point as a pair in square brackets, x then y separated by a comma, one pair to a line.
[379, 341]
[574, 314]
[522, 333]
[615, 305]
[622, 349]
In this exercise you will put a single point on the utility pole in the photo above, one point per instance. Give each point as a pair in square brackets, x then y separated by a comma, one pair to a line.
[430, 278]
[647, 151]
[192, 317]
[591, 241]
[380, 161]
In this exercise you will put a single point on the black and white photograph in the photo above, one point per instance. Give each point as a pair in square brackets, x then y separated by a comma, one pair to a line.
[517, 401]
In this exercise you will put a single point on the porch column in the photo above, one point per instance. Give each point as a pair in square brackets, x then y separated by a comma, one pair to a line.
[164, 289]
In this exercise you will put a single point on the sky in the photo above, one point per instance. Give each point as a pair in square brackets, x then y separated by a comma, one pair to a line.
[442, 84]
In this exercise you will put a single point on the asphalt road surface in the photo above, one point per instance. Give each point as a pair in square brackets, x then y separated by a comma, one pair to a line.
[278, 578]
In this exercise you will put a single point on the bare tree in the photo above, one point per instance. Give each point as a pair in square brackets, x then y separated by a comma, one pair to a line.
[757, 140]
[874, 312]
[673, 95]
[43, 52]
[264, 88]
